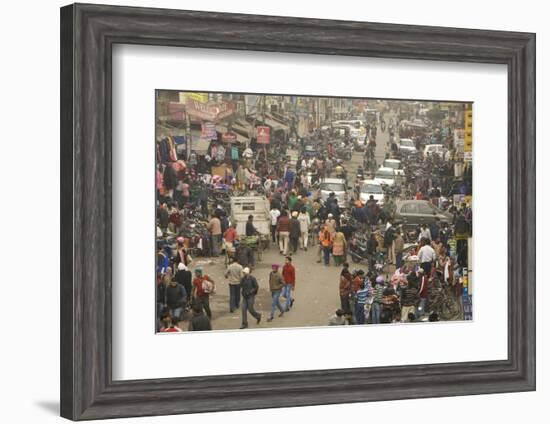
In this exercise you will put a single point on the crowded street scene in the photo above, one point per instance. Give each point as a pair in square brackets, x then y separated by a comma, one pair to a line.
[281, 211]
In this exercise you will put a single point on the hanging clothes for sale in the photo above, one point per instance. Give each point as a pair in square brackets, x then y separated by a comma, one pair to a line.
[234, 153]
[169, 178]
[162, 149]
[213, 150]
[172, 149]
[179, 139]
[220, 154]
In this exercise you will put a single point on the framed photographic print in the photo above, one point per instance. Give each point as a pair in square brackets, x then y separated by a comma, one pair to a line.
[263, 212]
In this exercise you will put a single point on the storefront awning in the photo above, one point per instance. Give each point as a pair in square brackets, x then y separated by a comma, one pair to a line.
[243, 127]
[223, 129]
[275, 124]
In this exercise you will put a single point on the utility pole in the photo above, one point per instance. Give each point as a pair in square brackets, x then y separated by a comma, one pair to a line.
[187, 134]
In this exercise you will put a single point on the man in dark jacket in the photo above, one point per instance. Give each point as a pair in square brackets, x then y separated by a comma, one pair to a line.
[185, 278]
[199, 321]
[249, 289]
[250, 228]
[294, 232]
[163, 217]
[176, 299]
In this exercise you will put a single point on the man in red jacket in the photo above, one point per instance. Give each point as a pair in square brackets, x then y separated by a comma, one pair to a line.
[289, 277]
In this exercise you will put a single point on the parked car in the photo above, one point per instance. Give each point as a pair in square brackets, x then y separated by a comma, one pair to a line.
[336, 185]
[385, 176]
[395, 164]
[412, 213]
[406, 146]
[371, 188]
[431, 149]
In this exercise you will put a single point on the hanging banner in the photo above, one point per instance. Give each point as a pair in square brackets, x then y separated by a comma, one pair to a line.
[208, 131]
[262, 135]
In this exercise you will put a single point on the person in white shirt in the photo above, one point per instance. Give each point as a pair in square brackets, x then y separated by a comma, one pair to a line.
[305, 222]
[424, 233]
[274, 214]
[267, 184]
[426, 256]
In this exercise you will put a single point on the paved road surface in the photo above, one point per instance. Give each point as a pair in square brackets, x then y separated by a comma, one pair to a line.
[316, 292]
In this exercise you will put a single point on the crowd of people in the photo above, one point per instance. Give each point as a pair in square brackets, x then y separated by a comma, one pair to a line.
[391, 288]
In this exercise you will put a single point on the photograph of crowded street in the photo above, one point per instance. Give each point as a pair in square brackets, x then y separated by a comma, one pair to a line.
[285, 211]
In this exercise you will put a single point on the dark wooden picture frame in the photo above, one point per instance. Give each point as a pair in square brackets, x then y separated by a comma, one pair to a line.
[88, 33]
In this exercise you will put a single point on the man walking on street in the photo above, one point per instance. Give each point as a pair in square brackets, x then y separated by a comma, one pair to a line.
[276, 284]
[283, 229]
[294, 234]
[215, 228]
[345, 290]
[289, 278]
[426, 256]
[274, 214]
[249, 290]
[305, 222]
[398, 246]
[202, 287]
[325, 243]
[234, 274]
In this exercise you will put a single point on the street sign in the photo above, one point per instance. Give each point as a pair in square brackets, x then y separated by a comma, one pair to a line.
[208, 131]
[262, 135]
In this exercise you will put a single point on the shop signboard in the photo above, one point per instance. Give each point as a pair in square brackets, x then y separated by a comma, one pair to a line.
[208, 130]
[262, 135]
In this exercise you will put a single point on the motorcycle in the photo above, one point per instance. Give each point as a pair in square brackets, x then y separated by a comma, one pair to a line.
[358, 249]
[343, 152]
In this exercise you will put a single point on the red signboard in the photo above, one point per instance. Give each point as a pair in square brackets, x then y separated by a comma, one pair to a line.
[229, 137]
[262, 135]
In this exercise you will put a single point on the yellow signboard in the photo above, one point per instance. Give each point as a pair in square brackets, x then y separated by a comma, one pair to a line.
[199, 97]
[468, 129]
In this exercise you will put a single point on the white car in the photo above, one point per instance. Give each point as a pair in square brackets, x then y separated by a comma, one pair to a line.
[371, 188]
[395, 164]
[407, 146]
[385, 176]
[337, 186]
[437, 149]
